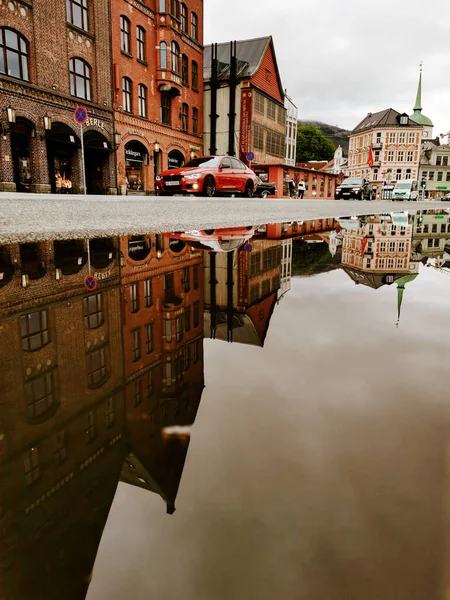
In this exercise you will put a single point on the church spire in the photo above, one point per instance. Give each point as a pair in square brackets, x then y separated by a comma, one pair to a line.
[418, 106]
[400, 292]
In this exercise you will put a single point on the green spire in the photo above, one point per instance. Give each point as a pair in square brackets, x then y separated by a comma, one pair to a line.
[400, 292]
[418, 106]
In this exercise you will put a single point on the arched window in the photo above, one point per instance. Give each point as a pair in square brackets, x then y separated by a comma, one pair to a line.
[125, 34]
[195, 120]
[13, 54]
[163, 55]
[184, 116]
[194, 76]
[185, 69]
[175, 51]
[142, 94]
[127, 94]
[77, 13]
[166, 117]
[140, 43]
[184, 18]
[194, 26]
[80, 78]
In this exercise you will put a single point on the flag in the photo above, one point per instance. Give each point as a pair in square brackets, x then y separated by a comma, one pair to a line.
[364, 245]
[370, 160]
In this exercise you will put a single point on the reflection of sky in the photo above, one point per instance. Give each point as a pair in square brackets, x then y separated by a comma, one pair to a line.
[317, 466]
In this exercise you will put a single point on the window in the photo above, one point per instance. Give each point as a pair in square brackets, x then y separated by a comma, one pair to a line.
[184, 116]
[195, 121]
[398, 174]
[168, 331]
[196, 269]
[271, 110]
[166, 117]
[390, 156]
[194, 26]
[125, 34]
[184, 18]
[142, 97]
[258, 137]
[140, 43]
[162, 6]
[134, 297]
[259, 103]
[392, 246]
[34, 330]
[400, 156]
[13, 54]
[255, 263]
[184, 69]
[440, 175]
[96, 367]
[168, 374]
[187, 318]
[404, 120]
[148, 296]
[187, 358]
[175, 53]
[80, 78]
[61, 449]
[254, 293]
[186, 280]
[411, 138]
[77, 13]
[431, 176]
[410, 156]
[408, 174]
[438, 161]
[89, 432]
[127, 101]
[163, 55]
[281, 115]
[40, 395]
[136, 345]
[93, 311]
[401, 246]
[401, 138]
[194, 76]
[274, 143]
[31, 464]
[390, 263]
[149, 338]
[445, 161]
[175, 8]
[110, 413]
[448, 175]
[392, 137]
[137, 392]
[149, 384]
[196, 314]
[179, 328]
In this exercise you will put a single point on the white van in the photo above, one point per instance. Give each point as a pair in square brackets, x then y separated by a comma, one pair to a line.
[406, 189]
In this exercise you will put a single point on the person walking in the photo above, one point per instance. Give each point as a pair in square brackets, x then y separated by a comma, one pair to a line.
[301, 189]
[291, 188]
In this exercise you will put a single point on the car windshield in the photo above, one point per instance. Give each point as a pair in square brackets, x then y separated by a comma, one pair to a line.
[403, 186]
[205, 161]
[352, 181]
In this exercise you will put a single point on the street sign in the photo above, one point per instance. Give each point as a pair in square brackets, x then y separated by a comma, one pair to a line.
[90, 283]
[250, 156]
[80, 115]
[248, 247]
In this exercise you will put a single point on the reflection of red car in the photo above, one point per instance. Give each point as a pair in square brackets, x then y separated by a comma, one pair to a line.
[208, 176]
[215, 240]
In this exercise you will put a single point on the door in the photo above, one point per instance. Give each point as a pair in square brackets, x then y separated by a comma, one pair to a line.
[224, 179]
[239, 176]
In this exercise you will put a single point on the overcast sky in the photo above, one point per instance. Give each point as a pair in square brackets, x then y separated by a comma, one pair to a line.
[340, 60]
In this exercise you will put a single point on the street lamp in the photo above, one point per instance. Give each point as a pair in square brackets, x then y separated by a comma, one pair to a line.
[11, 115]
[47, 123]
[156, 146]
[117, 139]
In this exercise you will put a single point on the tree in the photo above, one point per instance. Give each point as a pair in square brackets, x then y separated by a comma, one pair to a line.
[312, 144]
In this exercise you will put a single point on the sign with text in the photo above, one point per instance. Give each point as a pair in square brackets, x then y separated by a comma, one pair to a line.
[246, 123]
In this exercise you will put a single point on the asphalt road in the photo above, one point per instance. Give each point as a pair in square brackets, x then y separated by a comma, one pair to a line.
[34, 217]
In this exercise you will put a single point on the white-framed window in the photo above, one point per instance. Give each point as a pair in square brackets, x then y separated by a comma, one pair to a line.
[392, 246]
[390, 156]
[399, 263]
[390, 263]
[392, 137]
[410, 156]
[411, 138]
[402, 137]
[400, 156]
[398, 174]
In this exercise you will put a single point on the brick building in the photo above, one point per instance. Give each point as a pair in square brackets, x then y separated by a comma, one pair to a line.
[158, 66]
[56, 55]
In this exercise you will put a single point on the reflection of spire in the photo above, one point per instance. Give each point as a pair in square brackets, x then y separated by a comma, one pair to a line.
[400, 292]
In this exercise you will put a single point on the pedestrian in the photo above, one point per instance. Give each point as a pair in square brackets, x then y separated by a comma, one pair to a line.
[291, 188]
[301, 189]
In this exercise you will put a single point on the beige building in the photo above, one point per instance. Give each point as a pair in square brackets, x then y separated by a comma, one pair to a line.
[435, 169]
[384, 148]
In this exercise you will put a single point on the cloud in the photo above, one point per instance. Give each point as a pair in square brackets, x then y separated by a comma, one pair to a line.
[342, 60]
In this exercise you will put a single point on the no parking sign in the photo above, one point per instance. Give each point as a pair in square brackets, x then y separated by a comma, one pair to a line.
[90, 283]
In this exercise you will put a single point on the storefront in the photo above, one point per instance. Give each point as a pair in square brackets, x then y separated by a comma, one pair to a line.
[136, 160]
[175, 159]
[63, 159]
[21, 133]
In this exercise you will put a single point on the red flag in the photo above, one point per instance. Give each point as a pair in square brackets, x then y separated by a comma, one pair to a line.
[370, 160]
[364, 245]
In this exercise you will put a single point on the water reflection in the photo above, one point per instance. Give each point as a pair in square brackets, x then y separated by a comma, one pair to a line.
[104, 386]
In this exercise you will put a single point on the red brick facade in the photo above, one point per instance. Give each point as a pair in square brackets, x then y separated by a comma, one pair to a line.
[34, 150]
[266, 77]
[167, 22]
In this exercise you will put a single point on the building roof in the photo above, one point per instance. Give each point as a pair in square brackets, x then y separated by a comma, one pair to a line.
[371, 279]
[384, 118]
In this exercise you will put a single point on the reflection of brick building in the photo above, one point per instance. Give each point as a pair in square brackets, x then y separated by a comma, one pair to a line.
[241, 292]
[162, 284]
[61, 425]
[57, 56]
[158, 66]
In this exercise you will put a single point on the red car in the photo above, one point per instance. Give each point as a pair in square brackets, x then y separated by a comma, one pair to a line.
[215, 240]
[208, 176]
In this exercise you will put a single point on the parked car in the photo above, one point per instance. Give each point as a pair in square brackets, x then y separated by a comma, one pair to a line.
[445, 198]
[265, 189]
[406, 189]
[208, 176]
[214, 240]
[356, 188]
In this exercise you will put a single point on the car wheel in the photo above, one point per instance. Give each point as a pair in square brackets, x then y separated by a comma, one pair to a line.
[264, 194]
[209, 187]
[248, 192]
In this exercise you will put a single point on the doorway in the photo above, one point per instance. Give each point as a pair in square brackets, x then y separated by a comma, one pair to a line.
[96, 159]
[62, 153]
[20, 149]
